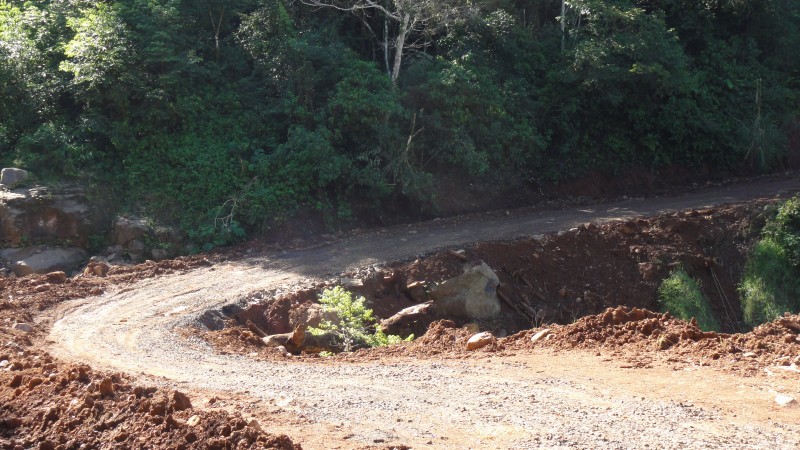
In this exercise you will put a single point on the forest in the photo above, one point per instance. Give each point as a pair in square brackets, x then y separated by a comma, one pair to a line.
[253, 110]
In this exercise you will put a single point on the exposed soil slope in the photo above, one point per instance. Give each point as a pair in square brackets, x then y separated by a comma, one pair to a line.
[519, 402]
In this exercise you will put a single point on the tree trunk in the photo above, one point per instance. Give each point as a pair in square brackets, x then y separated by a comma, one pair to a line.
[400, 42]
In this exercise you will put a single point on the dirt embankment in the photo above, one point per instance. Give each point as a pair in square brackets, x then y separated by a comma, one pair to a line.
[556, 278]
[430, 393]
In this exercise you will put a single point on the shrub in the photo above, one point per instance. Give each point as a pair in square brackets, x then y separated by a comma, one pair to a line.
[680, 294]
[771, 283]
[353, 321]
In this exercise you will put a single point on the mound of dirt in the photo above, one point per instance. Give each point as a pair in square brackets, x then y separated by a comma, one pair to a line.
[48, 405]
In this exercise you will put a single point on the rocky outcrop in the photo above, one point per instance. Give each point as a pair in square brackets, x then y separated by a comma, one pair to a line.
[11, 176]
[471, 296]
[54, 215]
[131, 235]
[42, 260]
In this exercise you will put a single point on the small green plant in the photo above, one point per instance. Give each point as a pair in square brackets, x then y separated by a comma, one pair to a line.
[353, 321]
[680, 294]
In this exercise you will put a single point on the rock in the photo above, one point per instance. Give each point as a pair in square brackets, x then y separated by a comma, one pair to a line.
[97, 269]
[127, 229]
[784, 400]
[35, 381]
[472, 295]
[57, 277]
[749, 354]
[136, 249]
[540, 335]
[310, 317]
[49, 260]
[50, 214]
[11, 176]
[24, 327]
[480, 340]
[193, 421]
[107, 387]
[417, 292]
[351, 282]
[253, 423]
[158, 254]
[180, 401]
[412, 320]
[628, 228]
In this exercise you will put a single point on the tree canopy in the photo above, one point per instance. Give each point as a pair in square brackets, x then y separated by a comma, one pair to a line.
[325, 104]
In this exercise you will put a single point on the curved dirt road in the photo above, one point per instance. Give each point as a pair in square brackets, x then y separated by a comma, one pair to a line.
[535, 400]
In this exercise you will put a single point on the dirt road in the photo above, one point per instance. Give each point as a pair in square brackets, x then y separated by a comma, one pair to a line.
[531, 400]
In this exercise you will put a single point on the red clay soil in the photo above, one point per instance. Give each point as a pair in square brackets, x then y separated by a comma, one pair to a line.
[559, 278]
[47, 404]
[599, 282]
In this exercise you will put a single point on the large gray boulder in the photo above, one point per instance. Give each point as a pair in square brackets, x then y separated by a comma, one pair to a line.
[50, 215]
[472, 295]
[11, 176]
[127, 229]
[26, 261]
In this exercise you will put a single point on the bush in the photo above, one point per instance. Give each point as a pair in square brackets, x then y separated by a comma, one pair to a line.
[771, 283]
[353, 321]
[680, 294]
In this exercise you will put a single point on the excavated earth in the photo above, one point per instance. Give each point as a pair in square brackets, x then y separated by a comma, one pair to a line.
[160, 355]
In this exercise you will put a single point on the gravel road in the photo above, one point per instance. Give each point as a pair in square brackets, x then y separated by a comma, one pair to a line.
[531, 400]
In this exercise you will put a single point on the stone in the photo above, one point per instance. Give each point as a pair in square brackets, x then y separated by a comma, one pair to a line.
[253, 423]
[51, 214]
[35, 381]
[127, 229]
[193, 421]
[136, 248]
[159, 254]
[97, 269]
[480, 340]
[417, 292]
[106, 387]
[412, 320]
[181, 401]
[628, 228]
[784, 400]
[46, 261]
[470, 296]
[24, 327]
[57, 277]
[540, 335]
[11, 176]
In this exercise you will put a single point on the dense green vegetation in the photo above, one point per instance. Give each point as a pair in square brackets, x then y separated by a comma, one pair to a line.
[680, 294]
[771, 284]
[249, 110]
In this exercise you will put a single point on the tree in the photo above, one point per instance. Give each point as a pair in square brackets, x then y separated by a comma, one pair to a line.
[407, 24]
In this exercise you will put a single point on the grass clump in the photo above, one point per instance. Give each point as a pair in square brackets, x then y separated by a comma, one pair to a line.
[353, 322]
[680, 294]
[771, 283]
